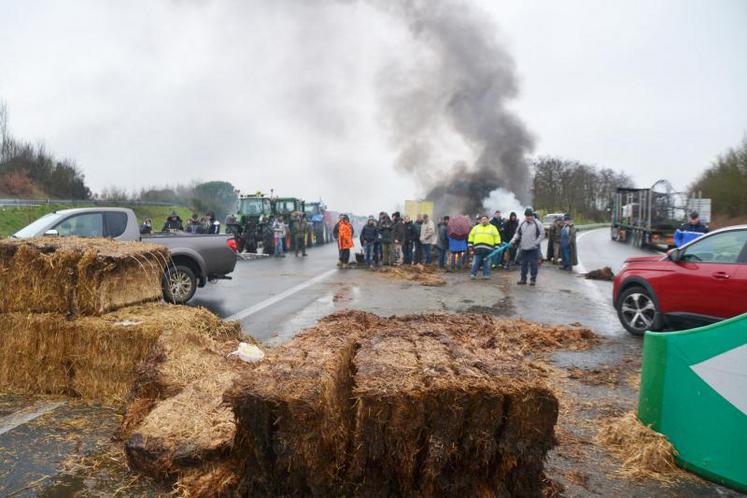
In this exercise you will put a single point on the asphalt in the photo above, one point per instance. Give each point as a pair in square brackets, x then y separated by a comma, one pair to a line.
[275, 298]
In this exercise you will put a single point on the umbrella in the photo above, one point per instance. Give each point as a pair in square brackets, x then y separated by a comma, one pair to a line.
[459, 227]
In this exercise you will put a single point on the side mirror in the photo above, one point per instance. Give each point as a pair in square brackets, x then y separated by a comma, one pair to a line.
[674, 255]
[52, 233]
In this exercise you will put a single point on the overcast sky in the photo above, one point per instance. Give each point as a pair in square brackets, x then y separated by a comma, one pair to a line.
[283, 94]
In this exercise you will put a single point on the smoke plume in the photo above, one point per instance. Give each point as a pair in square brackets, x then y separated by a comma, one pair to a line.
[458, 88]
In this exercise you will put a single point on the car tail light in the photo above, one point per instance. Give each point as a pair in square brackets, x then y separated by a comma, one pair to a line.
[232, 244]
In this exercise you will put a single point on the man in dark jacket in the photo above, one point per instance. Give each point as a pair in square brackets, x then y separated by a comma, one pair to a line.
[443, 241]
[173, 223]
[409, 241]
[398, 237]
[509, 229]
[418, 246]
[385, 239]
[369, 235]
[499, 222]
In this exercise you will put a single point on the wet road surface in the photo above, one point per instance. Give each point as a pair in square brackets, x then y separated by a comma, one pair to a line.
[276, 297]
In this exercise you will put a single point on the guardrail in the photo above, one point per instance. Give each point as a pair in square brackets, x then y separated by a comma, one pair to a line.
[79, 202]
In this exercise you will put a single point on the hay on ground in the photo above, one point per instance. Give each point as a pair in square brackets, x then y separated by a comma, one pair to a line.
[210, 480]
[95, 358]
[75, 276]
[604, 273]
[424, 275]
[644, 452]
[365, 406]
[191, 427]
[191, 347]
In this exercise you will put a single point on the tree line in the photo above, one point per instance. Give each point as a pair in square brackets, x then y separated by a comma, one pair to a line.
[566, 185]
[725, 182]
[217, 196]
[28, 170]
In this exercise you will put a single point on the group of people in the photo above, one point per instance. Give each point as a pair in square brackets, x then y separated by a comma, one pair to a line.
[291, 236]
[495, 242]
[394, 240]
[196, 224]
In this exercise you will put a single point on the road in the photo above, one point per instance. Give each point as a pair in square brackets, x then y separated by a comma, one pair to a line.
[275, 298]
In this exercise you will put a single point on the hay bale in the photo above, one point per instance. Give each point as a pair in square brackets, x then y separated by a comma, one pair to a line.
[437, 418]
[293, 412]
[95, 358]
[187, 429]
[75, 276]
[392, 407]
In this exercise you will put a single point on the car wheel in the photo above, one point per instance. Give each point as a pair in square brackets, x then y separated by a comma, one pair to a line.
[637, 311]
[179, 284]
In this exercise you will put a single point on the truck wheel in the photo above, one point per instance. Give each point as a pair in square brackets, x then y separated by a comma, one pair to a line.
[636, 310]
[614, 234]
[179, 284]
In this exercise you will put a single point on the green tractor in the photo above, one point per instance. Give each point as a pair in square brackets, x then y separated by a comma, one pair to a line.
[315, 215]
[251, 222]
[286, 207]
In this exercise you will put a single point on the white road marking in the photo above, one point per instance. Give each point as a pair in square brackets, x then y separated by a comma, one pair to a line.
[10, 422]
[727, 375]
[279, 297]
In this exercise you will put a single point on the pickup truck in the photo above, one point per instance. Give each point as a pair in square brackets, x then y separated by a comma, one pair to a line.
[195, 259]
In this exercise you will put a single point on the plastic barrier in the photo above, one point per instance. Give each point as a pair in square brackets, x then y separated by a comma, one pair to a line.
[694, 391]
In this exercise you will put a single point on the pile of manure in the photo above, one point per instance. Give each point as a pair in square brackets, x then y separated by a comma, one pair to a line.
[75, 276]
[360, 405]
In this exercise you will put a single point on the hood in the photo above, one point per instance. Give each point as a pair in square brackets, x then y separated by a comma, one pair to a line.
[644, 259]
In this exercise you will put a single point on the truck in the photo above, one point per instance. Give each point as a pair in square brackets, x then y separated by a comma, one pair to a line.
[315, 214]
[648, 217]
[195, 258]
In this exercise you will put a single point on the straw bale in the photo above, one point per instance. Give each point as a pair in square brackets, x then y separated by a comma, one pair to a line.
[96, 358]
[436, 418]
[644, 452]
[293, 412]
[76, 276]
[415, 406]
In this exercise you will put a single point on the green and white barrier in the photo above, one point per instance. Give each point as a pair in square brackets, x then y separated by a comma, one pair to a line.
[694, 391]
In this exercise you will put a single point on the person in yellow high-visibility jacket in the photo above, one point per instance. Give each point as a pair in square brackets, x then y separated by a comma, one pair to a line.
[483, 238]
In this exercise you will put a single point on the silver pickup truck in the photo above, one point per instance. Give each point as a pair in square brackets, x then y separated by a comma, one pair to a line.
[196, 259]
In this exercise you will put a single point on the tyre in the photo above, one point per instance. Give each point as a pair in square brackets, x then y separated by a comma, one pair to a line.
[637, 310]
[179, 284]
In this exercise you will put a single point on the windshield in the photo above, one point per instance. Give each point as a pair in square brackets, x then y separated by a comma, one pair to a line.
[286, 206]
[311, 208]
[34, 228]
[253, 207]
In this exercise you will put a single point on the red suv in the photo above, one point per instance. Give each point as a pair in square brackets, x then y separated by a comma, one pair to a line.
[702, 282]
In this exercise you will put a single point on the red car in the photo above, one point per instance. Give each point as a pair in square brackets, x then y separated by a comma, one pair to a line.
[699, 283]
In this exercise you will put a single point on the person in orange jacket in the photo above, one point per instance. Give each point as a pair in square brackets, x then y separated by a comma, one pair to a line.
[344, 241]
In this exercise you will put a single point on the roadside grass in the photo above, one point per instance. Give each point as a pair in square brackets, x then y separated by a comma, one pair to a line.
[13, 219]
